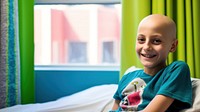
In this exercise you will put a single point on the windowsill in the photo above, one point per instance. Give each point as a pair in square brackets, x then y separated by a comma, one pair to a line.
[78, 67]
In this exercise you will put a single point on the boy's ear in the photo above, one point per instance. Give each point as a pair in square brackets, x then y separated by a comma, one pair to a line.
[174, 45]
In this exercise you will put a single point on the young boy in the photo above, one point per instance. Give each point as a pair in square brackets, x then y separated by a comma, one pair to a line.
[158, 87]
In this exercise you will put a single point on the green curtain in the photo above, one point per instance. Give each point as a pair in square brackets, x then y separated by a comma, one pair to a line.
[16, 52]
[186, 15]
[26, 41]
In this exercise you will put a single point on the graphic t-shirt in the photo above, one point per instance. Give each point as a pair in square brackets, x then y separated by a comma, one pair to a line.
[137, 89]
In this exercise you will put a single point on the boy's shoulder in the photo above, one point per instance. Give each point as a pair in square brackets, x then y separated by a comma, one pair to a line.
[126, 78]
[177, 66]
[178, 63]
[132, 74]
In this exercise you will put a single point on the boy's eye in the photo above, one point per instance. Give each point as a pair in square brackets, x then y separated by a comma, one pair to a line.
[156, 41]
[141, 40]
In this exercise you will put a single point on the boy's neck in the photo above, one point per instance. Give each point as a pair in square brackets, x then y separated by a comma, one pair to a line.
[153, 71]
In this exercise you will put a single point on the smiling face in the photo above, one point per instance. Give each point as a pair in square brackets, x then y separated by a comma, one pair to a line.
[155, 39]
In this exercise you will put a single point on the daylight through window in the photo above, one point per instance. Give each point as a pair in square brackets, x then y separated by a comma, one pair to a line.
[77, 34]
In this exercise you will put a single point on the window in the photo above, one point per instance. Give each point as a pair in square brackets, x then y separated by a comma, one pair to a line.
[76, 32]
[108, 52]
[77, 52]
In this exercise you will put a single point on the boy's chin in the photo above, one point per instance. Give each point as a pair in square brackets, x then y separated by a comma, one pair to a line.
[148, 64]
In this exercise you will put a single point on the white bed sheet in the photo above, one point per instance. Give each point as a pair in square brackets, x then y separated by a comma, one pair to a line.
[94, 99]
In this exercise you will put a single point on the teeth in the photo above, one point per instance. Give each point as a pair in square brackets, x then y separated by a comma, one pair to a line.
[148, 55]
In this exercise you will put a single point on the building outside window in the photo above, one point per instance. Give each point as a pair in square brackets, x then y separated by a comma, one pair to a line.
[77, 33]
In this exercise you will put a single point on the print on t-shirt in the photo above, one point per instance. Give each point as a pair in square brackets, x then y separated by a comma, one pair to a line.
[132, 95]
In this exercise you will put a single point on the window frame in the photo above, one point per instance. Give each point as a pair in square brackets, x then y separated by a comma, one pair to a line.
[78, 67]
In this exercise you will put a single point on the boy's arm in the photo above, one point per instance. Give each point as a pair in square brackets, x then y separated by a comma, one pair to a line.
[116, 105]
[159, 104]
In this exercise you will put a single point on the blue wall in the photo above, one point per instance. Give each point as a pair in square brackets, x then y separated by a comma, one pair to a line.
[53, 84]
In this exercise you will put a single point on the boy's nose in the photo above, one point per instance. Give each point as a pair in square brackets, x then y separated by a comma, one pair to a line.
[147, 46]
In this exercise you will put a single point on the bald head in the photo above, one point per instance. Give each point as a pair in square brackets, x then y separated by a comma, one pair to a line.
[161, 22]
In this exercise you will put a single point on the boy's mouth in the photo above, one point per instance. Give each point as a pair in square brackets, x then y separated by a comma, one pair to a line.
[148, 55]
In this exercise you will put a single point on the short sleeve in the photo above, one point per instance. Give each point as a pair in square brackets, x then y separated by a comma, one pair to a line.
[117, 95]
[177, 85]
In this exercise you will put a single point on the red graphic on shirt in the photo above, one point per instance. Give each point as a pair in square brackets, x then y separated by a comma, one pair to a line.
[134, 99]
[131, 100]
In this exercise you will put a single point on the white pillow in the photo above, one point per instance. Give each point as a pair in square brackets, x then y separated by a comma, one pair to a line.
[196, 96]
[131, 69]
